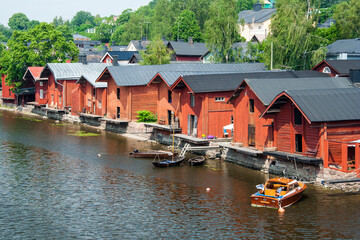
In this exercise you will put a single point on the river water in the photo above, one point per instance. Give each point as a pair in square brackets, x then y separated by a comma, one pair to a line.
[54, 185]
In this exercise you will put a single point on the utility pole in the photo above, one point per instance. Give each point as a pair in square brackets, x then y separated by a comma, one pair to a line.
[178, 20]
[147, 27]
[271, 58]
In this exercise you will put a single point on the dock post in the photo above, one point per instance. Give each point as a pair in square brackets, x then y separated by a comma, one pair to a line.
[357, 159]
[344, 156]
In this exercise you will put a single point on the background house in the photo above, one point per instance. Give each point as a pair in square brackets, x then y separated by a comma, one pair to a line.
[344, 49]
[255, 24]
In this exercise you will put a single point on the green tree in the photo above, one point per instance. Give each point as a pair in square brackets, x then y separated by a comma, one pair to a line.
[82, 18]
[19, 21]
[156, 53]
[66, 31]
[347, 17]
[7, 32]
[295, 44]
[58, 21]
[103, 32]
[244, 5]
[35, 47]
[161, 23]
[222, 29]
[186, 26]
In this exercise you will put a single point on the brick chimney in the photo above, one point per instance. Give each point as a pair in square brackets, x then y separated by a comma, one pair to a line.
[191, 41]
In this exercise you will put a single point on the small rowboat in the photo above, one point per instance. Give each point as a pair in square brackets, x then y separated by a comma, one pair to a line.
[196, 161]
[168, 162]
[150, 154]
[278, 193]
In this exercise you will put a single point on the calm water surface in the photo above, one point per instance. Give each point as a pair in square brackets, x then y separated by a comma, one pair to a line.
[54, 186]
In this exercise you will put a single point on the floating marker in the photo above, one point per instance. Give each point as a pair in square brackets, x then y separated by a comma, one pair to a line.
[281, 210]
[208, 189]
[99, 155]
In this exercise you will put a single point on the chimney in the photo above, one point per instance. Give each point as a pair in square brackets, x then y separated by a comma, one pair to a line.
[115, 60]
[354, 75]
[191, 41]
[68, 60]
[105, 48]
[143, 39]
[257, 6]
[82, 59]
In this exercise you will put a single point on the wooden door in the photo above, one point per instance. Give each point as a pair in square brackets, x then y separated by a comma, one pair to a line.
[251, 135]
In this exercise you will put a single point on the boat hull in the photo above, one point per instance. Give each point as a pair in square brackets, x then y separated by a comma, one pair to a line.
[170, 162]
[260, 200]
[151, 154]
[197, 161]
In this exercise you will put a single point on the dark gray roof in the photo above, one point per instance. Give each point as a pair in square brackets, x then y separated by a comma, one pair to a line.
[327, 23]
[72, 71]
[139, 45]
[122, 55]
[260, 16]
[230, 81]
[350, 46]
[343, 66]
[267, 89]
[137, 75]
[187, 49]
[327, 105]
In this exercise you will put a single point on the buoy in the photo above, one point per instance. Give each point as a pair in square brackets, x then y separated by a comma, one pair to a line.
[281, 210]
[99, 155]
[208, 189]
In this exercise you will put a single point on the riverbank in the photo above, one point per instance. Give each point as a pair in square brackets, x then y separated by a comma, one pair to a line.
[228, 152]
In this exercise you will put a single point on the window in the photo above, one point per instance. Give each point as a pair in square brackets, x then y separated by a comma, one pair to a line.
[41, 94]
[59, 99]
[297, 117]
[118, 112]
[219, 99]
[118, 93]
[94, 92]
[232, 119]
[89, 102]
[108, 60]
[41, 84]
[298, 142]
[55, 85]
[169, 96]
[99, 104]
[9, 92]
[326, 70]
[251, 105]
[192, 100]
[52, 99]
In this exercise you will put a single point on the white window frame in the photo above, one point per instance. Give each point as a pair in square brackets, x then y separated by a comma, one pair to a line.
[41, 94]
[99, 104]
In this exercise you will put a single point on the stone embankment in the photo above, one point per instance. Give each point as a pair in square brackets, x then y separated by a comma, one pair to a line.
[138, 131]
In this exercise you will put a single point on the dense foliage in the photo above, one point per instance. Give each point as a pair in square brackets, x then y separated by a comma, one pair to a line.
[35, 47]
[156, 53]
[146, 116]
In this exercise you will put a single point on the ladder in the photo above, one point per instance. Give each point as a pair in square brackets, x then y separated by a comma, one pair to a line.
[184, 150]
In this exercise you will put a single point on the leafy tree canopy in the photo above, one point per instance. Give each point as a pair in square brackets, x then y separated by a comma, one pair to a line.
[35, 47]
[103, 32]
[186, 26]
[156, 53]
[19, 21]
[222, 29]
[347, 17]
[161, 23]
[295, 44]
[81, 18]
[244, 5]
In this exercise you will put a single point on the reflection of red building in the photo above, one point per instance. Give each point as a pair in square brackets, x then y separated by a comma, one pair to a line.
[41, 84]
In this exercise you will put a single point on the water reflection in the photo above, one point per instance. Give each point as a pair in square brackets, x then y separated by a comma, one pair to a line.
[54, 186]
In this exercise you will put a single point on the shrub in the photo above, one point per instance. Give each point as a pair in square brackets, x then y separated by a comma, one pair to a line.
[146, 116]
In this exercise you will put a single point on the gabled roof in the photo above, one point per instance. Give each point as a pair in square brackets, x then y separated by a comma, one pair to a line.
[122, 55]
[342, 67]
[72, 71]
[324, 105]
[260, 16]
[33, 73]
[137, 75]
[350, 46]
[230, 81]
[138, 44]
[266, 89]
[91, 78]
[188, 49]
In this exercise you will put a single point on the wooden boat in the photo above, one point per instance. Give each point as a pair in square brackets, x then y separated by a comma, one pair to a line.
[168, 162]
[278, 193]
[151, 154]
[196, 161]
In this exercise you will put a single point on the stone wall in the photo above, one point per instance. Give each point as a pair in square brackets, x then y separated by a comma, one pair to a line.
[1, 101]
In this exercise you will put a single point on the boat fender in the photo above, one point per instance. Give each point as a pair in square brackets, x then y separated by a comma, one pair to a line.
[281, 210]
[208, 189]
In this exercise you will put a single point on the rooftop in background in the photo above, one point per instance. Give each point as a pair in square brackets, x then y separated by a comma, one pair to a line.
[189, 48]
[121, 55]
[77, 36]
[349, 46]
[327, 23]
[325, 105]
[257, 15]
[341, 67]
